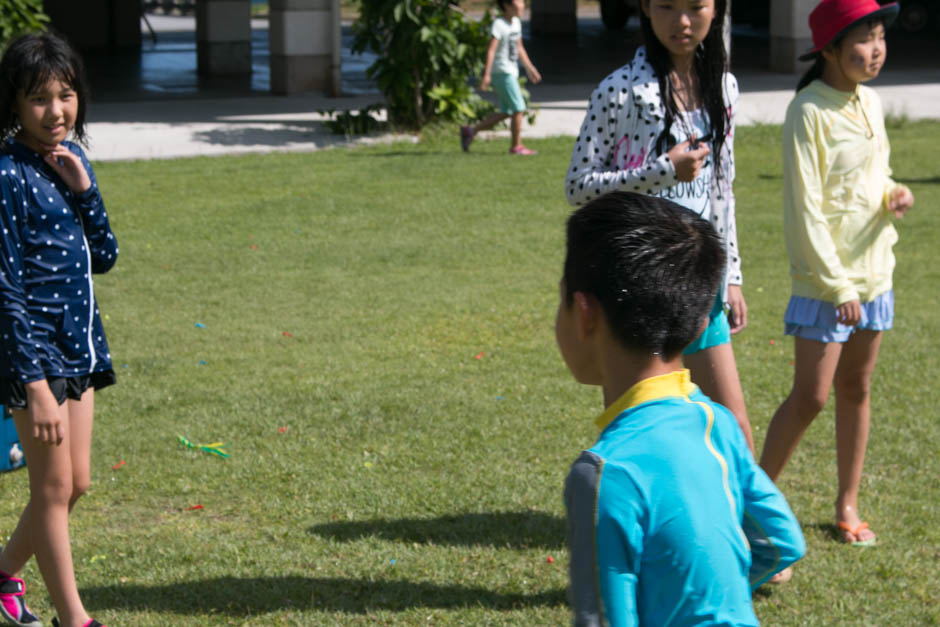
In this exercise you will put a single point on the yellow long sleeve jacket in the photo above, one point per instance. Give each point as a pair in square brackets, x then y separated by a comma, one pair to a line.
[837, 183]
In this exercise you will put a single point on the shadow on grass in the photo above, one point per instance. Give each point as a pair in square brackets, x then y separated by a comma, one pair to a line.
[828, 529]
[517, 530]
[236, 596]
[401, 153]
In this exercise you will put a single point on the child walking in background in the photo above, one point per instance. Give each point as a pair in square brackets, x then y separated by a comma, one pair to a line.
[54, 353]
[670, 520]
[502, 72]
[838, 202]
[663, 125]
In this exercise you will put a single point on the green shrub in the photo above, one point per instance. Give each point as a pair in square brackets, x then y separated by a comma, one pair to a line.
[20, 16]
[427, 52]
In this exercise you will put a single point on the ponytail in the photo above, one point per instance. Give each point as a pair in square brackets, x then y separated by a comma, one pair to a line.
[813, 73]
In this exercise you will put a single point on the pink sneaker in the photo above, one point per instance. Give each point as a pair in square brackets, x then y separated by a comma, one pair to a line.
[522, 150]
[12, 606]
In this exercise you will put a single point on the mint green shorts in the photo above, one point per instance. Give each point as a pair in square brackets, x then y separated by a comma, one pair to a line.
[716, 333]
[506, 87]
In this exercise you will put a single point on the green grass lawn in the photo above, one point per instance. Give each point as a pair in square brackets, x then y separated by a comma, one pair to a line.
[378, 355]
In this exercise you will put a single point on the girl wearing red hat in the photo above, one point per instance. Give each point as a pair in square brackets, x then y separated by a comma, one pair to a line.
[839, 199]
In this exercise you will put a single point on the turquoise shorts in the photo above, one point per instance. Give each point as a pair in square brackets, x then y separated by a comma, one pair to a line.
[506, 87]
[716, 333]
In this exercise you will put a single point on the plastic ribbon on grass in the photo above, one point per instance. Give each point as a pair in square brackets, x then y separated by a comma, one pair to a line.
[213, 448]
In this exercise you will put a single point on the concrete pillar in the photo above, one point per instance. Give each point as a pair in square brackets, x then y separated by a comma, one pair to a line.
[223, 37]
[554, 16]
[304, 39]
[789, 34]
[125, 25]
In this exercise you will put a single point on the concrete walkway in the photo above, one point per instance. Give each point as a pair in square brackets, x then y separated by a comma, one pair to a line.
[257, 124]
[143, 124]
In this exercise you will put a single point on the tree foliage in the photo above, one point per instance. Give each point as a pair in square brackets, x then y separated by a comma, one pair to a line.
[427, 51]
[20, 16]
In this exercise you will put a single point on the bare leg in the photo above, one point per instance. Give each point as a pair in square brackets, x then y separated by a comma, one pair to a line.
[815, 368]
[515, 126]
[853, 416]
[81, 421]
[44, 527]
[488, 122]
[20, 547]
[714, 370]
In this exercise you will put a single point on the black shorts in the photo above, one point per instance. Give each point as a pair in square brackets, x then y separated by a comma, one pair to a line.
[13, 392]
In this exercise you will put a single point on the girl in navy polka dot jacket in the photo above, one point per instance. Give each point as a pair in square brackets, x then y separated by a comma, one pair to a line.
[664, 125]
[53, 352]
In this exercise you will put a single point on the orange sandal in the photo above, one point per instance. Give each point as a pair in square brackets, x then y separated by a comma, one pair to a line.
[844, 526]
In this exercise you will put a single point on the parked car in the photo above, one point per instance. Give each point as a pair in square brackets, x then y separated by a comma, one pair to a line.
[918, 16]
[615, 13]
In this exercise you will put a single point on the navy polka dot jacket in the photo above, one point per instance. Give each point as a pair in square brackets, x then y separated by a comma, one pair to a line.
[52, 242]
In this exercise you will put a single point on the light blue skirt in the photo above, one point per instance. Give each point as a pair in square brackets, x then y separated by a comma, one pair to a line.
[816, 320]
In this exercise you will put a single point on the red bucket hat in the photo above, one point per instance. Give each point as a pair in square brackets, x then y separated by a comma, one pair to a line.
[831, 18]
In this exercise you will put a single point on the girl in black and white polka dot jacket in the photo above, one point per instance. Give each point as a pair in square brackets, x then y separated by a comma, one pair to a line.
[679, 146]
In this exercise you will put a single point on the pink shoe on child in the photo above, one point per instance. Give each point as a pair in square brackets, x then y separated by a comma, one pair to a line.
[521, 150]
[12, 606]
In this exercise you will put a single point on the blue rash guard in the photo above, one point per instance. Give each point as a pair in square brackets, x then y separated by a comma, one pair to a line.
[670, 521]
[52, 241]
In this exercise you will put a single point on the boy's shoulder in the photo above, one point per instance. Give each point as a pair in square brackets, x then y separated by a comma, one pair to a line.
[666, 423]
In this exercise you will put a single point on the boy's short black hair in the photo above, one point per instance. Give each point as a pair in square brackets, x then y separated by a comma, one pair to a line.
[653, 265]
[502, 4]
[31, 61]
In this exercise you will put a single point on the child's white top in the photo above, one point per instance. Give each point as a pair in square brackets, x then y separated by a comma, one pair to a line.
[507, 54]
[616, 151]
[693, 195]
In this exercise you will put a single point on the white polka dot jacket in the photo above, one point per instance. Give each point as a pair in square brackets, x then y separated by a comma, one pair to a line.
[616, 150]
[52, 242]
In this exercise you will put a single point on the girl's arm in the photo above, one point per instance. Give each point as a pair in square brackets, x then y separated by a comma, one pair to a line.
[101, 241]
[735, 276]
[606, 159]
[736, 302]
[896, 198]
[530, 70]
[806, 228]
[19, 340]
[490, 57]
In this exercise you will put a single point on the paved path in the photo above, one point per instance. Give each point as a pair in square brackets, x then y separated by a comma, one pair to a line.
[257, 124]
[158, 109]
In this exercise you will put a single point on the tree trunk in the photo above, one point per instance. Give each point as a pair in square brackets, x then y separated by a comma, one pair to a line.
[419, 99]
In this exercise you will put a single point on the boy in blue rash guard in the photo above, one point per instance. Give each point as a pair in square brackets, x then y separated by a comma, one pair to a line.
[670, 520]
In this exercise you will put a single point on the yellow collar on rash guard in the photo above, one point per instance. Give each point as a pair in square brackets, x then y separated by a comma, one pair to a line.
[677, 383]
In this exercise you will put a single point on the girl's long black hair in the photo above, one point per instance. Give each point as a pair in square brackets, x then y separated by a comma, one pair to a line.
[710, 65]
[31, 61]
